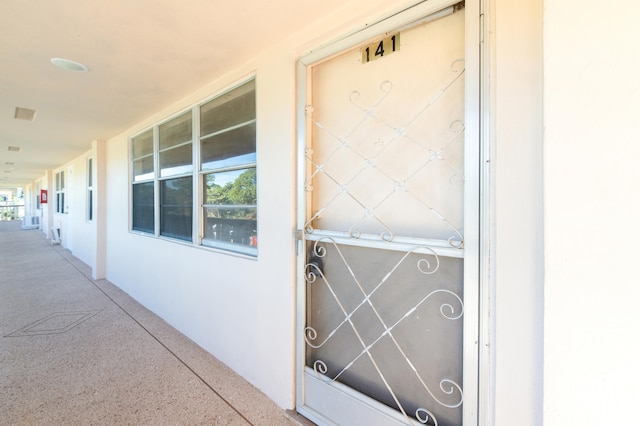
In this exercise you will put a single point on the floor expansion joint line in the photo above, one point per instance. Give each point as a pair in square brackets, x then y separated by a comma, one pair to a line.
[155, 338]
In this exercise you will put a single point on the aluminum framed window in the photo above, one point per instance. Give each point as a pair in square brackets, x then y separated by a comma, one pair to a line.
[228, 168]
[38, 188]
[90, 189]
[60, 189]
[175, 167]
[215, 203]
[142, 186]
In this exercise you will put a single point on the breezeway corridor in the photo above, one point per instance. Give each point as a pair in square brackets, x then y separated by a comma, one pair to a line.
[77, 351]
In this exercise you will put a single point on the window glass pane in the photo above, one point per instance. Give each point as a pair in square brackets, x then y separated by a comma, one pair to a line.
[176, 208]
[60, 202]
[90, 205]
[235, 187]
[90, 172]
[235, 147]
[143, 169]
[176, 131]
[176, 161]
[230, 207]
[142, 145]
[223, 225]
[60, 181]
[230, 109]
[143, 219]
[38, 188]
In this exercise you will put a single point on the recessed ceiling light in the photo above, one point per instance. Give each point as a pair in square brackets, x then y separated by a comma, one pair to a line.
[69, 65]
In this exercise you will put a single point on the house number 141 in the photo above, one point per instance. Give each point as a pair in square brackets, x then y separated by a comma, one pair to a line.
[381, 48]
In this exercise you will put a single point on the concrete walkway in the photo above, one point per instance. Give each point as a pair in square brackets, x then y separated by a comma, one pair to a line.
[74, 351]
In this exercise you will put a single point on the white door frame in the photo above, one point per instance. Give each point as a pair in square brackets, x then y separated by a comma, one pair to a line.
[476, 357]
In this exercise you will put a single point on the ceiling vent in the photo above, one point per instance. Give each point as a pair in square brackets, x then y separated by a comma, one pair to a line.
[14, 148]
[25, 114]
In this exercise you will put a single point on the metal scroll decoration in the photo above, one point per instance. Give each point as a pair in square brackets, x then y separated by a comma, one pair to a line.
[369, 212]
[447, 392]
[452, 310]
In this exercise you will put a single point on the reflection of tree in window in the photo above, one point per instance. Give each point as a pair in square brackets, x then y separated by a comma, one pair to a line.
[241, 191]
[231, 207]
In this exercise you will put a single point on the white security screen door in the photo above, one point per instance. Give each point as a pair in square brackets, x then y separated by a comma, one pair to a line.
[383, 223]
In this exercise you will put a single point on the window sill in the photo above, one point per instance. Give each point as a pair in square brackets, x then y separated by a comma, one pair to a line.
[227, 249]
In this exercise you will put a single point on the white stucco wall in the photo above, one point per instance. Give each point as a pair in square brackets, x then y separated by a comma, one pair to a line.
[592, 192]
[78, 234]
[239, 309]
[83, 231]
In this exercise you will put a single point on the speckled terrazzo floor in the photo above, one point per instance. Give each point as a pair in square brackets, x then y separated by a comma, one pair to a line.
[74, 351]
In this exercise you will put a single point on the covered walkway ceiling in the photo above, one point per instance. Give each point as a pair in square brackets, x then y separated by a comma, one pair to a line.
[142, 55]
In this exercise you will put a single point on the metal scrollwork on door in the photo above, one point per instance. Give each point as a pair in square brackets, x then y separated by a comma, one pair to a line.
[376, 171]
[398, 134]
[447, 393]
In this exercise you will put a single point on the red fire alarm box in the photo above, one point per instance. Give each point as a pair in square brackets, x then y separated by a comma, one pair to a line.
[43, 196]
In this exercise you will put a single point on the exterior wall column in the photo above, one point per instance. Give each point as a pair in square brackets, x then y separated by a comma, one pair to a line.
[49, 184]
[98, 271]
[517, 245]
